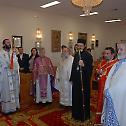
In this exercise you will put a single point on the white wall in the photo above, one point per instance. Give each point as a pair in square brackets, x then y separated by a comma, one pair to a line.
[15, 21]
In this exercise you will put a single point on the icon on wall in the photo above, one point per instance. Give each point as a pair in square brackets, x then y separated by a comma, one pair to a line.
[82, 36]
[16, 41]
[56, 40]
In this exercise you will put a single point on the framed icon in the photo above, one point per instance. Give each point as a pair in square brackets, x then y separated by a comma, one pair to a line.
[56, 40]
[16, 41]
[82, 36]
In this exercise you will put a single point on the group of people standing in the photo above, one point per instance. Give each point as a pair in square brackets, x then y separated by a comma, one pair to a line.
[111, 84]
[111, 87]
[72, 79]
[74, 89]
[11, 64]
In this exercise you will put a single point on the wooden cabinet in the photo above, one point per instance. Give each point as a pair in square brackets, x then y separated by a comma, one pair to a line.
[25, 85]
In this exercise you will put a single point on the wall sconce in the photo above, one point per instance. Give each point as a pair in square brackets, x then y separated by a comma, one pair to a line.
[38, 38]
[93, 38]
[38, 44]
[70, 36]
[38, 34]
[70, 43]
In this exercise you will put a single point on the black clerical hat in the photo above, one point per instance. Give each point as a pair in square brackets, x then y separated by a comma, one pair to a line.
[81, 41]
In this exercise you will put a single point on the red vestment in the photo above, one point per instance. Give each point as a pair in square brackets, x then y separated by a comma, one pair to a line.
[104, 67]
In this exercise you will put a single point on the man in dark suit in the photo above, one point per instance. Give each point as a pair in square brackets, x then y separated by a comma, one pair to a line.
[23, 60]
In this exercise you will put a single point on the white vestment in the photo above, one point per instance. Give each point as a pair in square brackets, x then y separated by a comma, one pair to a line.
[62, 82]
[9, 82]
[114, 109]
[49, 92]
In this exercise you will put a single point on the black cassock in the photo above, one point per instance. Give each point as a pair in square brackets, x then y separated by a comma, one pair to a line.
[78, 98]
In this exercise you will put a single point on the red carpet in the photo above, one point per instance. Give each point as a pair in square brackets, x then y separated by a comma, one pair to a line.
[54, 117]
[37, 115]
[43, 115]
[46, 116]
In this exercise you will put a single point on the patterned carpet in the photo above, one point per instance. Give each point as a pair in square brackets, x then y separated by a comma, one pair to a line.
[43, 115]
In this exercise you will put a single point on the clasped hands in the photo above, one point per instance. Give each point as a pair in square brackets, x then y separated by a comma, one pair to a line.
[81, 63]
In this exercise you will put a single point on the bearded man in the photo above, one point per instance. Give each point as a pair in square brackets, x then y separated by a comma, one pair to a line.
[9, 78]
[63, 74]
[81, 76]
[114, 108]
[102, 71]
[43, 69]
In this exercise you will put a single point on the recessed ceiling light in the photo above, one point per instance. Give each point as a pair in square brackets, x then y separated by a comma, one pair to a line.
[114, 20]
[92, 13]
[50, 4]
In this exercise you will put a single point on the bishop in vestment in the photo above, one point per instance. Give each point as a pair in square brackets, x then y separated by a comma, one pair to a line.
[80, 77]
[42, 71]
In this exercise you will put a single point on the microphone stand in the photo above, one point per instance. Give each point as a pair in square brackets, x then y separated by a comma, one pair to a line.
[82, 84]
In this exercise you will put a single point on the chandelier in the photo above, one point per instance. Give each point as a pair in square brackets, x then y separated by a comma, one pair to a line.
[86, 5]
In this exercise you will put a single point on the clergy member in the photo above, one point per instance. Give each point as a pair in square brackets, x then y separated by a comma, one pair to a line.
[9, 78]
[63, 76]
[114, 108]
[42, 71]
[102, 71]
[80, 77]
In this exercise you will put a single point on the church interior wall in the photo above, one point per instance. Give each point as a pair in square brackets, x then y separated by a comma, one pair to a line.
[23, 22]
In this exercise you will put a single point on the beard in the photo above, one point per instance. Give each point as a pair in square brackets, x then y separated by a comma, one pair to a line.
[64, 56]
[7, 47]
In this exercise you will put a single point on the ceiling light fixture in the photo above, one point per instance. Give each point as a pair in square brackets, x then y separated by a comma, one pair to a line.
[50, 4]
[86, 5]
[114, 20]
[92, 13]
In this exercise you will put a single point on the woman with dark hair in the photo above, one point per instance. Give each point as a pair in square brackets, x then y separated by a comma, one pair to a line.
[75, 49]
[33, 56]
